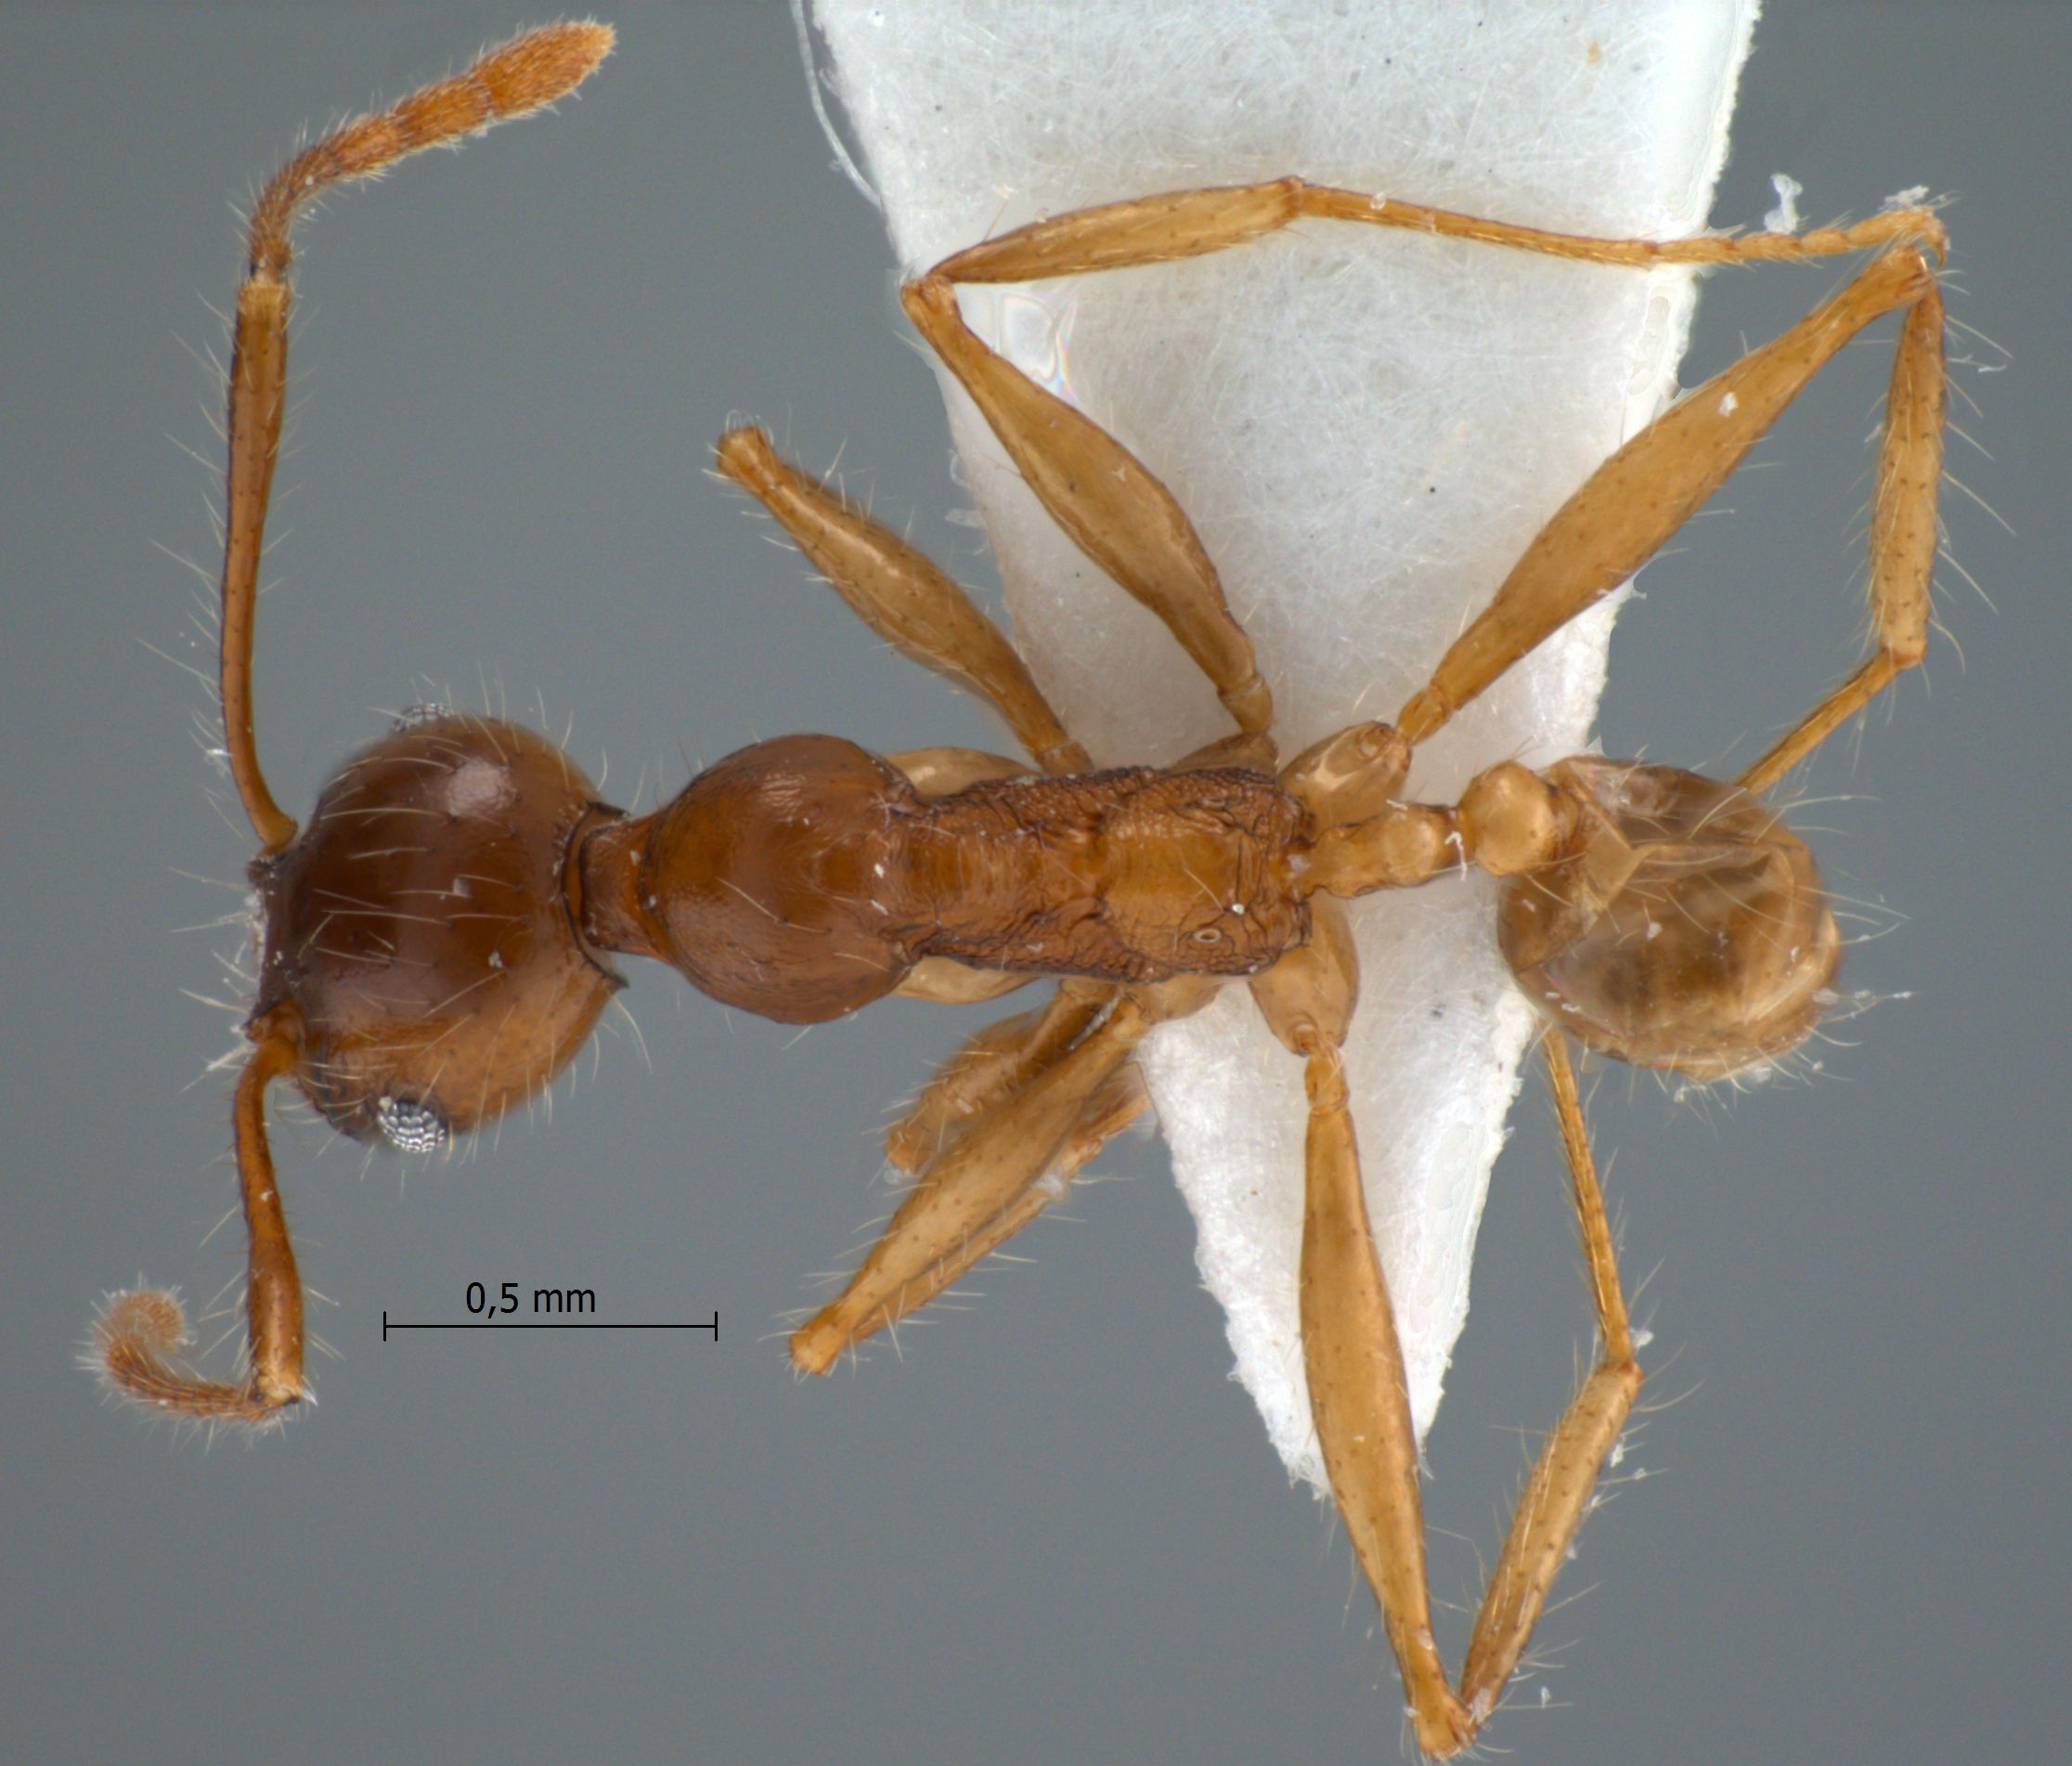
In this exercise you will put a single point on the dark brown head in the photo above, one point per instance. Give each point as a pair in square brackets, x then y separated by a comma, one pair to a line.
[1690, 931]
[419, 930]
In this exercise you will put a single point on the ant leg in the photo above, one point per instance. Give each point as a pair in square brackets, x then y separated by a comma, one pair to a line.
[1560, 1491]
[1891, 226]
[520, 76]
[1621, 516]
[942, 980]
[1352, 1355]
[905, 598]
[1177, 223]
[1106, 1114]
[140, 1330]
[941, 772]
[1902, 536]
[901, 595]
[980, 1175]
[1360, 1399]
[1632, 504]
[999, 1061]
[1110, 503]
[1359, 1396]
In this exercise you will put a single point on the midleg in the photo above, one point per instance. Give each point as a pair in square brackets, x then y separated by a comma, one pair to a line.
[941, 772]
[1630, 506]
[942, 980]
[998, 1062]
[1642, 495]
[904, 597]
[1112, 505]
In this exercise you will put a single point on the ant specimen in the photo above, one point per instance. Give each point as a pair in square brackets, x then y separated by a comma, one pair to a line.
[437, 944]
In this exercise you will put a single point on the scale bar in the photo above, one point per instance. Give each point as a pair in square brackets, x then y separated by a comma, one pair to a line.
[389, 1324]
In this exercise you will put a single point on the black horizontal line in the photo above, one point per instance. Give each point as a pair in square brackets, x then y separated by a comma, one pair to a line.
[541, 1324]
[496, 1321]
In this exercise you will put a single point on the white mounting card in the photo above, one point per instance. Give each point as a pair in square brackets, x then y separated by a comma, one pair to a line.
[1367, 426]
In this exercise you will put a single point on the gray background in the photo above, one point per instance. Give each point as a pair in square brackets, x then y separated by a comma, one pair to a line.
[1052, 1530]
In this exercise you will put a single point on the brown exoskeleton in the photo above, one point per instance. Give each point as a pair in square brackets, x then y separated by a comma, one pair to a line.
[436, 942]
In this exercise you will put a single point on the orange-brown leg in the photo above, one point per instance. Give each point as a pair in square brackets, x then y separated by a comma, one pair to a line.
[998, 1062]
[901, 595]
[1640, 497]
[1005, 1058]
[905, 598]
[1107, 501]
[1176, 224]
[1903, 537]
[1632, 504]
[1351, 1354]
[982, 1173]
[941, 771]
[140, 1331]
[1360, 1399]
[1112, 1109]
[942, 980]
[1557, 1493]
[1359, 1396]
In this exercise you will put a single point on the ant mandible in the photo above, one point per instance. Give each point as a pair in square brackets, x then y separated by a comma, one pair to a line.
[437, 943]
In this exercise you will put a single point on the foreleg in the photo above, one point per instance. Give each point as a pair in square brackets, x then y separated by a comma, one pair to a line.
[1112, 1109]
[982, 1173]
[902, 596]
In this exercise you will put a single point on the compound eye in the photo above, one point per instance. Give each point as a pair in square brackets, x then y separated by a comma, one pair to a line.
[408, 1126]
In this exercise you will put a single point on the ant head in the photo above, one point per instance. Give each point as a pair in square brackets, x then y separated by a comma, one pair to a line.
[1689, 929]
[418, 931]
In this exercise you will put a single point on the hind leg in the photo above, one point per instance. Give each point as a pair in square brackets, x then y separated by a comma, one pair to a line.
[1359, 1394]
